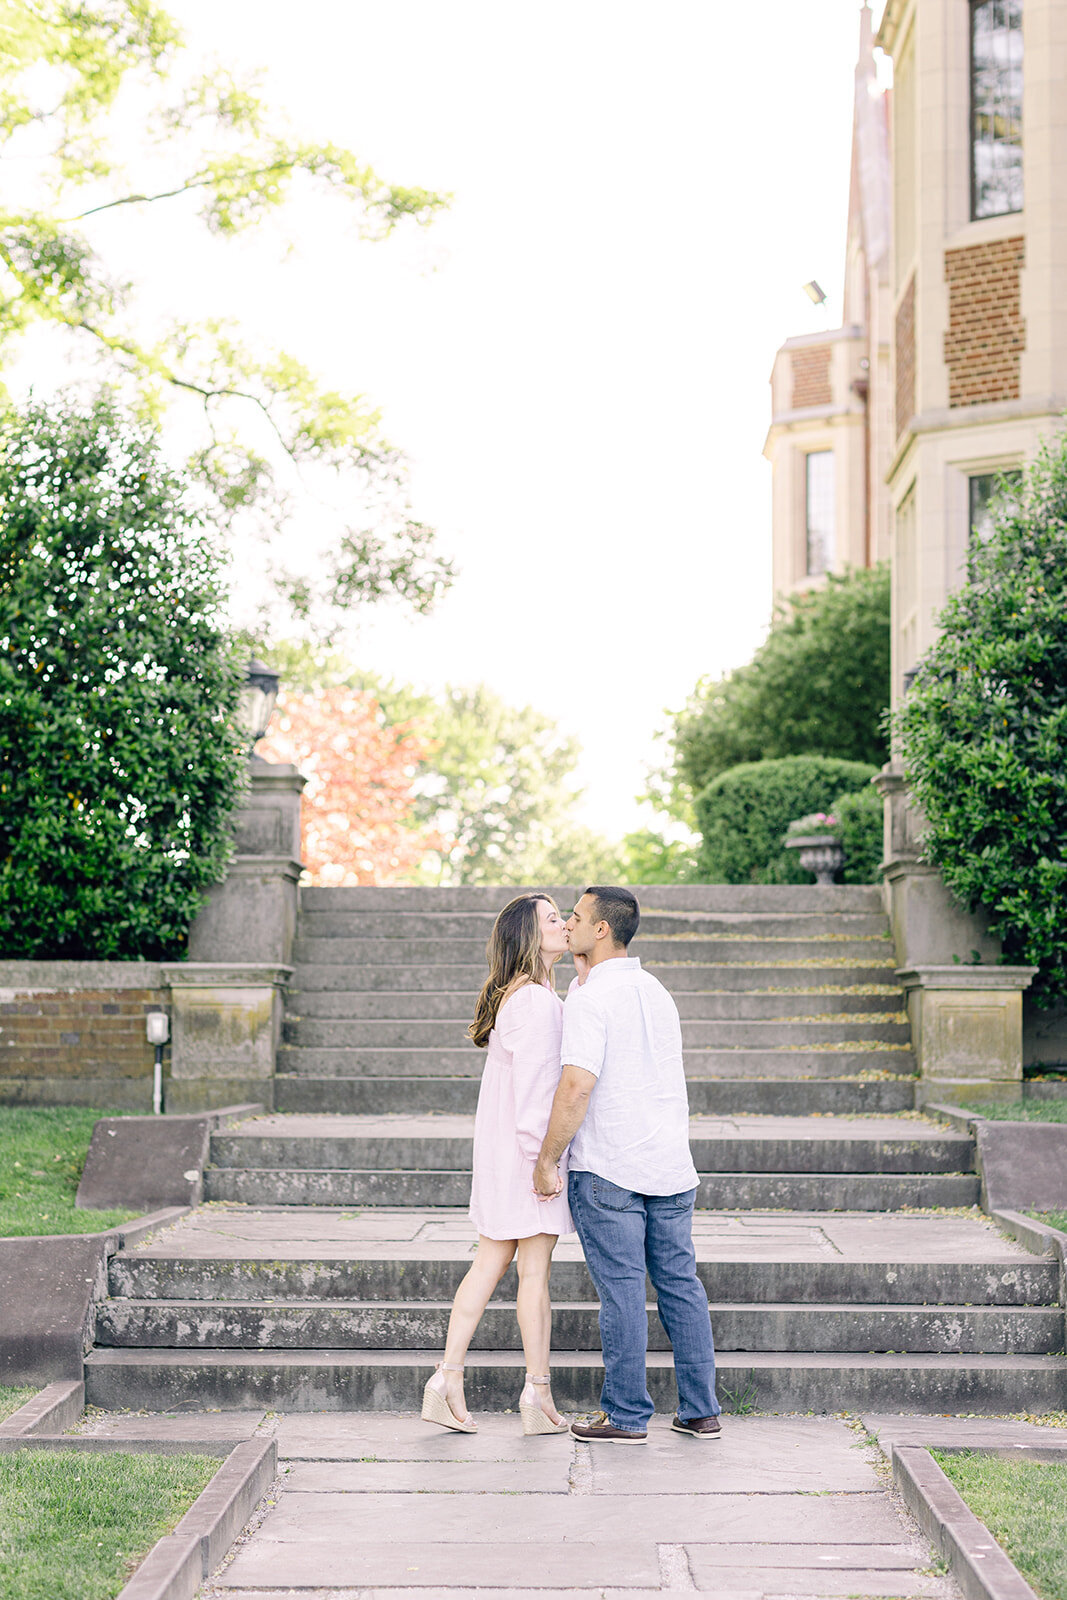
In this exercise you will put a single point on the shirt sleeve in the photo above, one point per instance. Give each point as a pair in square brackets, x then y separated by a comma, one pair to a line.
[528, 1025]
[584, 1033]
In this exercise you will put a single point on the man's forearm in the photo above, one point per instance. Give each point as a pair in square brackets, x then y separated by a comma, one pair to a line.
[569, 1106]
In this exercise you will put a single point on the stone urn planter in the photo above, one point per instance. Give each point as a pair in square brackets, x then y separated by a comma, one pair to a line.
[820, 853]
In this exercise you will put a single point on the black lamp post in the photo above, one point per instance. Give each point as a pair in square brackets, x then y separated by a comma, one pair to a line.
[259, 695]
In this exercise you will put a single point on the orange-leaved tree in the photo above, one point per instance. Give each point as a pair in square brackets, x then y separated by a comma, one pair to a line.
[357, 810]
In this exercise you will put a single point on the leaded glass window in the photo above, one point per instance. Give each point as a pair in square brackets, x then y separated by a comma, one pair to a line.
[983, 486]
[996, 107]
[820, 490]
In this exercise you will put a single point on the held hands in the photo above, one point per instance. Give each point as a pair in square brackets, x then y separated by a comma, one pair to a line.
[547, 1180]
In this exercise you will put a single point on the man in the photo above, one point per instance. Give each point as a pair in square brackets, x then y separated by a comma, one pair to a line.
[622, 1107]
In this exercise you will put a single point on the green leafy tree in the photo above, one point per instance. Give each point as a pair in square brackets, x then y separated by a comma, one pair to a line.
[119, 759]
[495, 780]
[818, 685]
[983, 730]
[104, 104]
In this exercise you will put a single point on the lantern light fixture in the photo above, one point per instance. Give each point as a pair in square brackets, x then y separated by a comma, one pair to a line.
[259, 696]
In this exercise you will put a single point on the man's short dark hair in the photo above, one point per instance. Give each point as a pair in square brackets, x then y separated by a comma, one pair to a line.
[619, 909]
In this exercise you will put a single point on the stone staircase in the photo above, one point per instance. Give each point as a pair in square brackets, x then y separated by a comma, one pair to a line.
[322, 1277]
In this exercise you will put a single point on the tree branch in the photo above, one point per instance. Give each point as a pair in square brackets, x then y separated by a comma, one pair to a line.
[184, 188]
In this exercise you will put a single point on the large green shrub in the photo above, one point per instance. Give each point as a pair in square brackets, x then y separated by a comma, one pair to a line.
[859, 827]
[743, 815]
[984, 728]
[119, 760]
[818, 685]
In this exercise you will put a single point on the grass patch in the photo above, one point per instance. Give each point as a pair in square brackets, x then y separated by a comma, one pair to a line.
[11, 1399]
[1023, 1111]
[1051, 1219]
[73, 1526]
[1024, 1506]
[42, 1152]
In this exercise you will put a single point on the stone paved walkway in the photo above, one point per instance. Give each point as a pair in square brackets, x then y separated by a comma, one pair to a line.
[385, 1504]
[293, 1232]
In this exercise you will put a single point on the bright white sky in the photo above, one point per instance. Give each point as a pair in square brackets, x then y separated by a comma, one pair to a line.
[576, 357]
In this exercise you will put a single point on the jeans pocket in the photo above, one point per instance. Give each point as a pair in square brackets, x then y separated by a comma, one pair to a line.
[610, 1197]
[686, 1200]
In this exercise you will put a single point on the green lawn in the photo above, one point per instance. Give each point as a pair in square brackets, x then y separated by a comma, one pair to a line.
[1051, 1219]
[1023, 1111]
[73, 1525]
[42, 1152]
[11, 1399]
[1024, 1506]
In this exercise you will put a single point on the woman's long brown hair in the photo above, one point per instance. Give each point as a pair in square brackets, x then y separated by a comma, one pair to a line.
[514, 956]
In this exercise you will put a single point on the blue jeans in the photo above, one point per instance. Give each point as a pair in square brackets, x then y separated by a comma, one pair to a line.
[624, 1235]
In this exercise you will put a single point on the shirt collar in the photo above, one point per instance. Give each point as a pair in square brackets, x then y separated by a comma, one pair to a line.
[627, 963]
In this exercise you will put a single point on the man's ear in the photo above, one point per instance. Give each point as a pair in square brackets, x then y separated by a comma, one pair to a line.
[602, 930]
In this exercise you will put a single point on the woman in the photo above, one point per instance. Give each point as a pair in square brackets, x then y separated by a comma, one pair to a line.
[520, 1018]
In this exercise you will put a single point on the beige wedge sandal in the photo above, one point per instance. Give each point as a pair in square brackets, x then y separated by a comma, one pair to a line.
[534, 1417]
[435, 1406]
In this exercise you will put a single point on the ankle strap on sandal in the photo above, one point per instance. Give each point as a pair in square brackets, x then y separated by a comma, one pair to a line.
[444, 1366]
[530, 1378]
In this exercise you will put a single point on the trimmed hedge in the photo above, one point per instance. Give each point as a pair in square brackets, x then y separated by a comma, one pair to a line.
[859, 817]
[743, 815]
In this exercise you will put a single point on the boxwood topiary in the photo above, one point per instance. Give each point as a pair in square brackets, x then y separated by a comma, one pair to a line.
[743, 814]
[119, 760]
[983, 730]
[859, 827]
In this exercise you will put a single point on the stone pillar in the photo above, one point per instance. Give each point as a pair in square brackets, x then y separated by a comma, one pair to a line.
[226, 1023]
[227, 998]
[251, 915]
[929, 925]
[967, 1030]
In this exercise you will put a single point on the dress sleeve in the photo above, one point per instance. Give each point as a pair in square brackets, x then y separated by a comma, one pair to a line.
[529, 1024]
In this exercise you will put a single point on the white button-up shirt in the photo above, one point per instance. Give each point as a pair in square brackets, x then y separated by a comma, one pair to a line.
[622, 1026]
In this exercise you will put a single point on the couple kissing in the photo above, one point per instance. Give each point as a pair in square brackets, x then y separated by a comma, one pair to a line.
[582, 1127]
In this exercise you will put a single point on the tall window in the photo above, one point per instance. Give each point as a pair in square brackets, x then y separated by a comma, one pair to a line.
[983, 486]
[996, 107]
[819, 504]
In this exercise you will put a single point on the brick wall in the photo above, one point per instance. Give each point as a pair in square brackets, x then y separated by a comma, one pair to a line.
[986, 333]
[904, 358]
[811, 376]
[76, 1045]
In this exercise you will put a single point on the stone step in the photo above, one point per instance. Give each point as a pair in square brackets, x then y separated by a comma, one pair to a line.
[464, 925]
[821, 1277]
[730, 1096]
[415, 1034]
[401, 1325]
[680, 978]
[795, 1145]
[316, 1062]
[681, 948]
[458, 1006]
[666, 896]
[329, 1380]
[815, 1191]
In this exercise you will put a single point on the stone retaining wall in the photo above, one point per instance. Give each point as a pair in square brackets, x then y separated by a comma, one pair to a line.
[73, 1032]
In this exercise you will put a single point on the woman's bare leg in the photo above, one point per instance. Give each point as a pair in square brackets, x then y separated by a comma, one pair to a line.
[491, 1261]
[534, 1261]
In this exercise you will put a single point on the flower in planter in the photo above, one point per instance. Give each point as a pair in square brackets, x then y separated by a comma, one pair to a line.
[817, 822]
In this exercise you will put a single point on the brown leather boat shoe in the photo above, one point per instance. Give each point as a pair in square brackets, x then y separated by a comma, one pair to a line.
[698, 1427]
[599, 1431]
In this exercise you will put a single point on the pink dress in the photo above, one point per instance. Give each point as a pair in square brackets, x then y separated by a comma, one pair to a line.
[519, 1079]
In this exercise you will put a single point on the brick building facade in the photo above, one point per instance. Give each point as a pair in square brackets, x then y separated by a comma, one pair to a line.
[955, 303]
